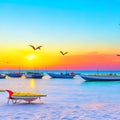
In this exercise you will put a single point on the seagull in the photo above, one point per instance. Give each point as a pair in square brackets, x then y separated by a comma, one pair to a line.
[63, 53]
[35, 48]
[38, 47]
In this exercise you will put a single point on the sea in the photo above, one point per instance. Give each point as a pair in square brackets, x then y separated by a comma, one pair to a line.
[67, 99]
[66, 71]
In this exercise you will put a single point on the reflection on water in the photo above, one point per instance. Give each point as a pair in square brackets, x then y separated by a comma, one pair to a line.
[7, 77]
[94, 106]
[63, 89]
[32, 83]
[23, 76]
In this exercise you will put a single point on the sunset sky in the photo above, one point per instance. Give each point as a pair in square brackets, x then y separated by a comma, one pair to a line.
[88, 29]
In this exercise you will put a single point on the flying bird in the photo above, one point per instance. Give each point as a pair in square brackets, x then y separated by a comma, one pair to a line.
[63, 53]
[35, 48]
[38, 47]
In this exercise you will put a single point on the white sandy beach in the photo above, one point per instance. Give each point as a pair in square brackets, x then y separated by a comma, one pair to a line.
[67, 99]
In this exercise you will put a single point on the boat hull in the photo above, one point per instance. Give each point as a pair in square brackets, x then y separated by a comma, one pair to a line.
[14, 75]
[53, 75]
[34, 75]
[100, 78]
[2, 77]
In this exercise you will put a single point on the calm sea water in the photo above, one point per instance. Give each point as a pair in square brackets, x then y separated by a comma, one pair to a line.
[67, 99]
[64, 71]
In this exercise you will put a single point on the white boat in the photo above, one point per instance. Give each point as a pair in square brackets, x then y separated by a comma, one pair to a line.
[100, 77]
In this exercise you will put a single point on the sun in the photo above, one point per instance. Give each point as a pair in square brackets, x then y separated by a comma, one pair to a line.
[31, 57]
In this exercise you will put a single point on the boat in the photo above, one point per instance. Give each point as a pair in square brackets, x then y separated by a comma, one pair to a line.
[61, 75]
[108, 77]
[2, 76]
[14, 74]
[34, 75]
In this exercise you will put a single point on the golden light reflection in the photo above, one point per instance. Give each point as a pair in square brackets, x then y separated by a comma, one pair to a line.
[32, 83]
[95, 105]
[23, 76]
[7, 77]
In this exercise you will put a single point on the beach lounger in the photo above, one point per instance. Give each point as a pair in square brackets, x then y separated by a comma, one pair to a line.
[16, 97]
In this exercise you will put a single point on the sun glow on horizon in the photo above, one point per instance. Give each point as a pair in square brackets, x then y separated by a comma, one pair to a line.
[31, 56]
[54, 60]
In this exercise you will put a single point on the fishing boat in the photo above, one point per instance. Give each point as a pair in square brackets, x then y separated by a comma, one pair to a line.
[34, 75]
[61, 75]
[108, 77]
[14, 74]
[2, 76]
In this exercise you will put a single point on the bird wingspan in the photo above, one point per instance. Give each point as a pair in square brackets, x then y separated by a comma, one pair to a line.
[65, 53]
[32, 46]
[38, 47]
[61, 52]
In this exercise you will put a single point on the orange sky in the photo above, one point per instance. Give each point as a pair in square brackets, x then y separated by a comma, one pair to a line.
[41, 59]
